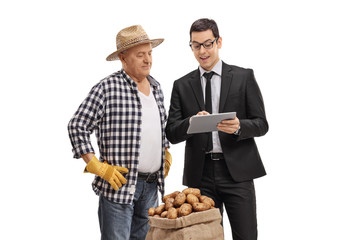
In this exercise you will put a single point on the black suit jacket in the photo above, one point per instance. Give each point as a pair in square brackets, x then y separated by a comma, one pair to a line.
[239, 93]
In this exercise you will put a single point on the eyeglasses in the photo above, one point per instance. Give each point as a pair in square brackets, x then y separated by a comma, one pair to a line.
[195, 46]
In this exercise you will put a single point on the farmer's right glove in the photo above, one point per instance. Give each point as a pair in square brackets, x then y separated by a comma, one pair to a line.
[112, 174]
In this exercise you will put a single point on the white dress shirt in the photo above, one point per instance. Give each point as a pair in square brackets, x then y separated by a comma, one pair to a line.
[215, 98]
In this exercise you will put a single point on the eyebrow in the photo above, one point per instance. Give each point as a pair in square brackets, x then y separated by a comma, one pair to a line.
[203, 42]
[144, 52]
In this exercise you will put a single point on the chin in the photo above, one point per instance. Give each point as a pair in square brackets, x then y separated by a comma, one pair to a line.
[146, 72]
[206, 67]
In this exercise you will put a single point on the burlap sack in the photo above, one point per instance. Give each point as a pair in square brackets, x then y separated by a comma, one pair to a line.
[196, 226]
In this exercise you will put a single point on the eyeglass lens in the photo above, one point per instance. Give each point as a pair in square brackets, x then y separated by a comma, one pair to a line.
[207, 45]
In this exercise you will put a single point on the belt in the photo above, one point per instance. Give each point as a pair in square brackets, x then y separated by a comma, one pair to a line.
[148, 177]
[214, 156]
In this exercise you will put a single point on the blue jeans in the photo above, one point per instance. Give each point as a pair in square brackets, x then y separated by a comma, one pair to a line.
[128, 221]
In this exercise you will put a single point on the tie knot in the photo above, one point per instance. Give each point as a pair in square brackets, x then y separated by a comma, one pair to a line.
[208, 75]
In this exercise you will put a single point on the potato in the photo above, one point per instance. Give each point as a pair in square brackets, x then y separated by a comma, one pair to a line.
[191, 198]
[172, 195]
[180, 204]
[198, 207]
[164, 214]
[179, 199]
[194, 191]
[172, 213]
[169, 203]
[206, 199]
[185, 209]
[159, 209]
[151, 211]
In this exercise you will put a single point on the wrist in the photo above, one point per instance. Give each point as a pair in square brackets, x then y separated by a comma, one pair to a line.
[88, 157]
[237, 132]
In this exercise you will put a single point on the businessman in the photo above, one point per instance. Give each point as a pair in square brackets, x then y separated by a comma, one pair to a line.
[222, 163]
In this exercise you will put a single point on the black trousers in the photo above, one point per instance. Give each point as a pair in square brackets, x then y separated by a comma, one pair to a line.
[237, 197]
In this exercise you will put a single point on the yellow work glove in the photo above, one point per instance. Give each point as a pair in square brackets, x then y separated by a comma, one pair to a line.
[110, 173]
[168, 161]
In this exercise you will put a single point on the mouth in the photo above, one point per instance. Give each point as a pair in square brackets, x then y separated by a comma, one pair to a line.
[204, 58]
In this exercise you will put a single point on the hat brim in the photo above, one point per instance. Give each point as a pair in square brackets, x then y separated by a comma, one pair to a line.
[115, 55]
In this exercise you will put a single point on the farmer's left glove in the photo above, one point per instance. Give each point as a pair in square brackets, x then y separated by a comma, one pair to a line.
[168, 161]
[112, 174]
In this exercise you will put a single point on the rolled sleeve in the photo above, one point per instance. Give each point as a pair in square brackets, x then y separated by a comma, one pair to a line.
[82, 149]
[84, 122]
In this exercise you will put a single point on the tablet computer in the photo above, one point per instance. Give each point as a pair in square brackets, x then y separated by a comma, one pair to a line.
[207, 123]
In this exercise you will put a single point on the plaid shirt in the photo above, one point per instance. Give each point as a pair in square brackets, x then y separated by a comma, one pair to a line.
[113, 110]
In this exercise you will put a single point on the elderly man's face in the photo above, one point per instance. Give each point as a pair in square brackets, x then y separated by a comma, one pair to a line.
[137, 61]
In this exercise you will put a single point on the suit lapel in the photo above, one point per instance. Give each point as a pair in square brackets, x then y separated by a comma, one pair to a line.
[226, 78]
[196, 86]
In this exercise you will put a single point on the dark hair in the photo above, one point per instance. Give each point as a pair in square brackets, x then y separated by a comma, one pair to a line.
[204, 24]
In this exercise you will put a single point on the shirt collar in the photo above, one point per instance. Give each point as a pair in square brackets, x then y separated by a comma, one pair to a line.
[216, 69]
[152, 81]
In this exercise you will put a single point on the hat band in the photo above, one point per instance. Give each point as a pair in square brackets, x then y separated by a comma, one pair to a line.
[133, 41]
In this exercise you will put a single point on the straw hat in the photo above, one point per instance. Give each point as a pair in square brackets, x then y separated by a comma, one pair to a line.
[131, 37]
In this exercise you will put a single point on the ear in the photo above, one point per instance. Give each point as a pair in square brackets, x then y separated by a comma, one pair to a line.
[121, 56]
[122, 59]
[219, 42]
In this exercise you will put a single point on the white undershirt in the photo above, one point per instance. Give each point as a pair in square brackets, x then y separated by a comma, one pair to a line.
[150, 136]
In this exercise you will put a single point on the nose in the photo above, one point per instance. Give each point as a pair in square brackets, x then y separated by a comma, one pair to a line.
[202, 49]
[147, 59]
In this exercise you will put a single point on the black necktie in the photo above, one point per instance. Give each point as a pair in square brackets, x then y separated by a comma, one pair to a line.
[208, 106]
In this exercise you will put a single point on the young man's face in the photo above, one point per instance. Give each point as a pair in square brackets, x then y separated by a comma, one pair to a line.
[137, 61]
[207, 58]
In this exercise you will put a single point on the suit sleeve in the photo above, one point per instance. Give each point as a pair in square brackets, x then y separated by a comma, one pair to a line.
[255, 125]
[177, 125]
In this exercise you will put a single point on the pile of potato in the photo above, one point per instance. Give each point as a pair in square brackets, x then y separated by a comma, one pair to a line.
[179, 204]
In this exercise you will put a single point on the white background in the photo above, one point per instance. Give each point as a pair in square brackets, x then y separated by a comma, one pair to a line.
[305, 55]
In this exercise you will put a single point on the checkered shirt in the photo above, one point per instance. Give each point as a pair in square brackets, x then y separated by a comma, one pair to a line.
[113, 110]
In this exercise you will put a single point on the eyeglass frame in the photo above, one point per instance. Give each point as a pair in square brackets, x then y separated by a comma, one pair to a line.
[202, 44]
